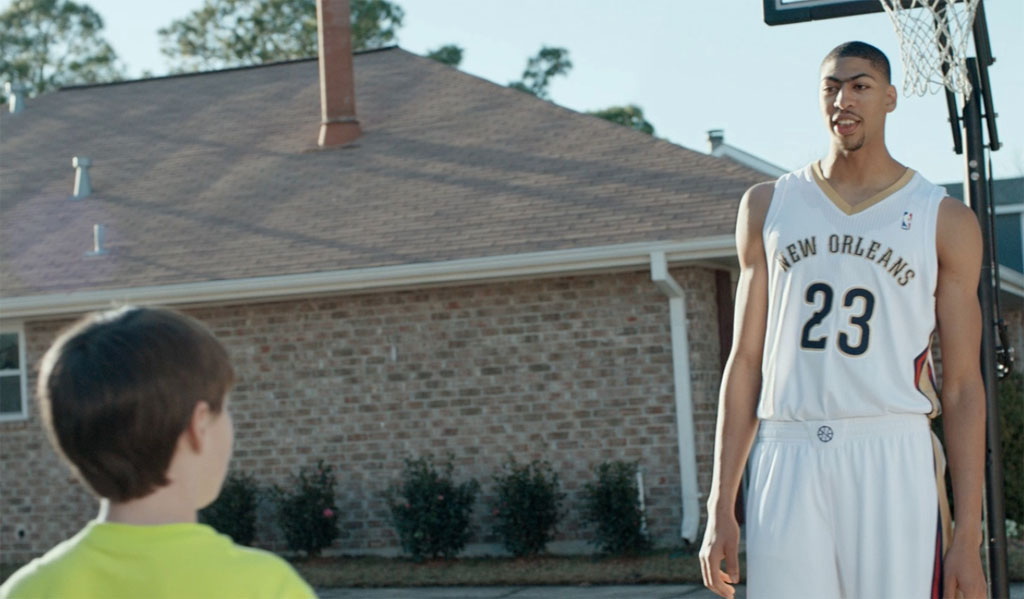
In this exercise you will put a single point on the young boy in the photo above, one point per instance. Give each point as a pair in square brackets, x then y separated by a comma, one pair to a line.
[135, 401]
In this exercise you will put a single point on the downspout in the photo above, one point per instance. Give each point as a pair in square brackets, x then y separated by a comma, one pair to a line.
[683, 395]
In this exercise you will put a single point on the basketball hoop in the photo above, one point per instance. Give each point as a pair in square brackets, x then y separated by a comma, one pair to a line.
[933, 42]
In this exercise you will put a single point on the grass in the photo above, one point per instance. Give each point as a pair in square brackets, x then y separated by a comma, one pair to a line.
[657, 567]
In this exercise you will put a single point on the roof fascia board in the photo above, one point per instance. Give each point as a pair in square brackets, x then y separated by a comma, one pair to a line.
[561, 262]
[747, 159]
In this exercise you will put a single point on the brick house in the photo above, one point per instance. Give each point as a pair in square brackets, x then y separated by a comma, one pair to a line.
[480, 273]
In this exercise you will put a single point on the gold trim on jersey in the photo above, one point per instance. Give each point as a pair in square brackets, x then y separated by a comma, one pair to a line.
[924, 379]
[845, 206]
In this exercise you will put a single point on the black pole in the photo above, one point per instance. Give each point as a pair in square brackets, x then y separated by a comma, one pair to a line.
[975, 191]
[983, 52]
[942, 38]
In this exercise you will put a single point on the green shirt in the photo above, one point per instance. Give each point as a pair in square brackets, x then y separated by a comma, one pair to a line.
[167, 561]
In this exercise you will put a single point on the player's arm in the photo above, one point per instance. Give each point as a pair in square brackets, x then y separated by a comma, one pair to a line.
[963, 393]
[737, 403]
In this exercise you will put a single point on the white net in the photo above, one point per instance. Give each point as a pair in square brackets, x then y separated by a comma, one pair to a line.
[933, 42]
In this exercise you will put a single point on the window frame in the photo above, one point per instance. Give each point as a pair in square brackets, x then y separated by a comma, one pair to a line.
[17, 328]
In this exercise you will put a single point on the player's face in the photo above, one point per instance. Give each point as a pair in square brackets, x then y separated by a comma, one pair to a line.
[855, 98]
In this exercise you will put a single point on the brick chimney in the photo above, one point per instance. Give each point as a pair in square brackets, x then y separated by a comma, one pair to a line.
[338, 124]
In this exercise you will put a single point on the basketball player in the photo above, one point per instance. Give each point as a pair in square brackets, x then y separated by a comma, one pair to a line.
[847, 267]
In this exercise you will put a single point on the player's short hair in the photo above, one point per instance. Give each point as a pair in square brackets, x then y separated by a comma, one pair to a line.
[118, 388]
[876, 57]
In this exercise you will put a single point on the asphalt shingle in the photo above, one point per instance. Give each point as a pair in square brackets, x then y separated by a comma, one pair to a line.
[216, 176]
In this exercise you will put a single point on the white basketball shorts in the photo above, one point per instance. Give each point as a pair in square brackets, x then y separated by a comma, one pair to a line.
[843, 508]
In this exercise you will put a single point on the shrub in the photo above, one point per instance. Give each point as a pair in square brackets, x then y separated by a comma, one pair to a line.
[1011, 422]
[612, 505]
[429, 511]
[234, 511]
[528, 506]
[306, 511]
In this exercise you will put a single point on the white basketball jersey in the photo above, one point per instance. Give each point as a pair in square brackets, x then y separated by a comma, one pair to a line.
[851, 300]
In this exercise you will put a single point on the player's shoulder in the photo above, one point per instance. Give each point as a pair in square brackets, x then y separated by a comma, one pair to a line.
[758, 197]
[954, 210]
[756, 201]
[956, 218]
[957, 232]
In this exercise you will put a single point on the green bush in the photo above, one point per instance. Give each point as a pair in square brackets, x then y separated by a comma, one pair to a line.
[429, 511]
[306, 511]
[1011, 422]
[612, 505]
[234, 511]
[528, 506]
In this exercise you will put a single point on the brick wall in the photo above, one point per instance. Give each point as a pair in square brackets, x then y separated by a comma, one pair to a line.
[572, 370]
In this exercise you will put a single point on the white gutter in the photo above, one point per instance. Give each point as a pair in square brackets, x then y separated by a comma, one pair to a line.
[683, 393]
[472, 270]
[1011, 281]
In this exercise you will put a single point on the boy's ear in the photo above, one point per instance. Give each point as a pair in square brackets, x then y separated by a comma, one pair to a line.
[200, 421]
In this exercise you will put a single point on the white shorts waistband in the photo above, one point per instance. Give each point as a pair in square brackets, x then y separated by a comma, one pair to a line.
[841, 429]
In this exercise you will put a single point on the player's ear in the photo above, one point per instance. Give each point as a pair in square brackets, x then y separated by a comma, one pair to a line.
[198, 424]
[890, 98]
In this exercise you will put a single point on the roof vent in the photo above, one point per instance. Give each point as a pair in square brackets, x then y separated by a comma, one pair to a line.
[716, 137]
[99, 236]
[15, 96]
[83, 185]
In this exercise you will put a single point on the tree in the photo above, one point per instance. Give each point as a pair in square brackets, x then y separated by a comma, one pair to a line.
[46, 44]
[631, 116]
[449, 54]
[541, 69]
[228, 33]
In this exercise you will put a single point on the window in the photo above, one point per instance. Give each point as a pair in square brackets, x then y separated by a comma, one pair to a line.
[13, 388]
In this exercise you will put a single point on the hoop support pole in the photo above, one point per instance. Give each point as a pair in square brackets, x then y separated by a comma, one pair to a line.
[983, 51]
[975, 192]
[942, 37]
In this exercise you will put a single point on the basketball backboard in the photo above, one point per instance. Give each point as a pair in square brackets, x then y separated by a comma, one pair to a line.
[780, 12]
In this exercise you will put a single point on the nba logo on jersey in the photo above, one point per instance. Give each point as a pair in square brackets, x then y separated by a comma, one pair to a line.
[905, 222]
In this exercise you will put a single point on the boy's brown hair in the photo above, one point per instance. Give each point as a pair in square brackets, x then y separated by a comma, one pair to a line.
[118, 388]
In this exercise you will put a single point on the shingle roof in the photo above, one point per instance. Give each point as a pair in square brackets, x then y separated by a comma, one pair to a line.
[215, 177]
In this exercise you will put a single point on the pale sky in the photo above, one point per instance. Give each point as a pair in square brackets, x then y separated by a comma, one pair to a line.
[692, 65]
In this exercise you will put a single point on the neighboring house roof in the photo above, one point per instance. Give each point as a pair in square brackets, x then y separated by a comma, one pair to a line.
[1004, 191]
[215, 177]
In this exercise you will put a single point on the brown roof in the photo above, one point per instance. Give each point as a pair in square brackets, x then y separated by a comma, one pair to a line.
[215, 177]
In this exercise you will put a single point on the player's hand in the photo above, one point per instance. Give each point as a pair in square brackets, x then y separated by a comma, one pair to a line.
[721, 542]
[963, 576]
